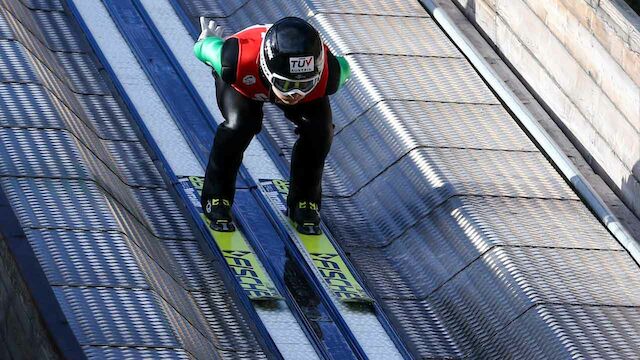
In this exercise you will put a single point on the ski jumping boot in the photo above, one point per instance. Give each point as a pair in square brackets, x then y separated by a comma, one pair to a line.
[218, 211]
[305, 216]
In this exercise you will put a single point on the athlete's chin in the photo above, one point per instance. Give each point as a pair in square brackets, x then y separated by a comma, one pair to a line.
[290, 101]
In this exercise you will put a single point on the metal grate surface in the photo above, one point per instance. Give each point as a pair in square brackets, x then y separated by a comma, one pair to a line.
[106, 116]
[438, 173]
[441, 79]
[27, 105]
[14, 66]
[370, 34]
[117, 353]
[38, 152]
[103, 316]
[600, 331]
[371, 7]
[5, 30]
[88, 258]
[57, 31]
[43, 4]
[20, 19]
[55, 203]
[125, 153]
[160, 210]
[213, 8]
[403, 124]
[83, 76]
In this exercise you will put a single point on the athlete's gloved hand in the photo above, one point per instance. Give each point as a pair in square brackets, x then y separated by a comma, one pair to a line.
[208, 28]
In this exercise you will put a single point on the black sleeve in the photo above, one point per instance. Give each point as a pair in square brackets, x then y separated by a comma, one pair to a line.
[334, 74]
[230, 50]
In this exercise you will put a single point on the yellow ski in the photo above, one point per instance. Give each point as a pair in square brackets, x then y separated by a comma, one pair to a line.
[236, 250]
[324, 255]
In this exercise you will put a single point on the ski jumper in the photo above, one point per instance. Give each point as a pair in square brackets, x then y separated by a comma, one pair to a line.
[241, 90]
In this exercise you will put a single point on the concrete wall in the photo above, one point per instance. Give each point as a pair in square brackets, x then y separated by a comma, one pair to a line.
[582, 59]
[22, 334]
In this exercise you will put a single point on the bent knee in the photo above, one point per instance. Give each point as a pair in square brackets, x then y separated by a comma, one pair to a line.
[244, 124]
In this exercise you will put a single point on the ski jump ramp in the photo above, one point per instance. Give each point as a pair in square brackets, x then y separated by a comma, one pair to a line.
[453, 234]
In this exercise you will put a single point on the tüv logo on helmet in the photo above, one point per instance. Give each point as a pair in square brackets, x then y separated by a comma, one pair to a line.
[301, 64]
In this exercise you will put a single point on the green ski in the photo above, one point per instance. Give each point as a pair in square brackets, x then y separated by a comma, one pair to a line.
[324, 255]
[240, 257]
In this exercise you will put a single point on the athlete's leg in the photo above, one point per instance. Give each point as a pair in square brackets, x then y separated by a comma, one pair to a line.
[315, 130]
[243, 119]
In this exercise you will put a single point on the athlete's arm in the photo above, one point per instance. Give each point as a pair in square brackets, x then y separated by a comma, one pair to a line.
[221, 55]
[209, 51]
[339, 71]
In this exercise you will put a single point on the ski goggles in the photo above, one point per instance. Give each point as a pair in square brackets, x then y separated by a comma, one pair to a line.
[292, 86]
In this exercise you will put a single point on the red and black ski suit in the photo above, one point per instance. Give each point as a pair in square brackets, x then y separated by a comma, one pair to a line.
[241, 90]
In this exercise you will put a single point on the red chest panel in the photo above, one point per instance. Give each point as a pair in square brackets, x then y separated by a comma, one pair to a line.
[248, 81]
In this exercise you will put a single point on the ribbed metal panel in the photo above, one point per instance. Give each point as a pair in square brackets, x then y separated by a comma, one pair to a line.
[107, 177]
[243, 355]
[43, 59]
[133, 163]
[58, 203]
[371, 7]
[426, 176]
[56, 82]
[160, 210]
[38, 152]
[192, 340]
[213, 8]
[599, 331]
[370, 34]
[423, 326]
[57, 31]
[5, 30]
[16, 11]
[168, 286]
[43, 4]
[123, 317]
[142, 236]
[106, 116]
[198, 272]
[445, 241]
[89, 139]
[230, 331]
[259, 12]
[14, 66]
[90, 258]
[406, 124]
[117, 353]
[82, 74]
[474, 306]
[197, 8]
[399, 276]
[27, 105]
[421, 78]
